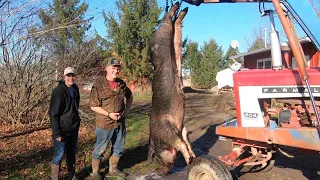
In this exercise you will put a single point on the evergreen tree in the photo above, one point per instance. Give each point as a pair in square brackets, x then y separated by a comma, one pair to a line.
[203, 64]
[226, 59]
[211, 57]
[191, 59]
[64, 23]
[130, 33]
[192, 56]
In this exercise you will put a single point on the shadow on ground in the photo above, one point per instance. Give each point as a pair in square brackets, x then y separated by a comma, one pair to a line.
[307, 163]
[27, 130]
[188, 89]
[200, 147]
[128, 160]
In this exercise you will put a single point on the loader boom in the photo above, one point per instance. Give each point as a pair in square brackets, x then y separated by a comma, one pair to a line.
[261, 128]
[301, 10]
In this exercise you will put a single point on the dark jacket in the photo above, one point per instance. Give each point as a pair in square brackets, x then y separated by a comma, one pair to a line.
[64, 115]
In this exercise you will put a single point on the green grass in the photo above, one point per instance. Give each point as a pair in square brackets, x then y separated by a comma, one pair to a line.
[137, 134]
[137, 130]
[35, 171]
[142, 96]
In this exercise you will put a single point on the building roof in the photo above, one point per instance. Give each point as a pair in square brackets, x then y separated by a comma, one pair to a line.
[284, 45]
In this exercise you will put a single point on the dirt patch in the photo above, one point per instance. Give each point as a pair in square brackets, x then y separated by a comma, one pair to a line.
[7, 131]
[201, 118]
[23, 153]
[204, 111]
[224, 102]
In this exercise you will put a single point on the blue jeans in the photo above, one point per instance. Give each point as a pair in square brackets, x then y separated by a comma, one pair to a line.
[67, 145]
[117, 138]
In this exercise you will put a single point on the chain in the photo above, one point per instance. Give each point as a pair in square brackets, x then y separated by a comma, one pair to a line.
[167, 7]
[179, 6]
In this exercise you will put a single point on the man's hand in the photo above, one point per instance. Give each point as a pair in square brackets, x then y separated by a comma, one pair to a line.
[100, 110]
[115, 116]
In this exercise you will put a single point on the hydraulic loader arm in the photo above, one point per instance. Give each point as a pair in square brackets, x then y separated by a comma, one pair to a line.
[307, 18]
[198, 2]
[301, 10]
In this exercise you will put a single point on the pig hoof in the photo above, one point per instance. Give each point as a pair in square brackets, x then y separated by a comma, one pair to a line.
[193, 155]
[208, 167]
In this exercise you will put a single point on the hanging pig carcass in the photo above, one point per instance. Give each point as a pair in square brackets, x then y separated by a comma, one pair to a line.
[167, 132]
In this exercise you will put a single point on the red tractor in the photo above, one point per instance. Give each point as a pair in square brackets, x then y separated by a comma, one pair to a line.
[259, 130]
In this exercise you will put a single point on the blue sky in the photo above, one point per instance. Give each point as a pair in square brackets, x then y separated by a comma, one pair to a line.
[224, 21]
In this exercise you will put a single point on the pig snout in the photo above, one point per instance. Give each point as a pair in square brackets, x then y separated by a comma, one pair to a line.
[167, 157]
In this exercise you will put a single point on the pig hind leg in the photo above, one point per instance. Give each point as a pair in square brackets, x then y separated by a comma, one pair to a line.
[151, 152]
[177, 41]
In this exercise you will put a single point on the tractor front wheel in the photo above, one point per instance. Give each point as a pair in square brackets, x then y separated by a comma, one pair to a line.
[208, 168]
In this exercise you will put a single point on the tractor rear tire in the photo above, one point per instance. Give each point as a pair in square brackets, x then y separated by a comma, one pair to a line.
[208, 168]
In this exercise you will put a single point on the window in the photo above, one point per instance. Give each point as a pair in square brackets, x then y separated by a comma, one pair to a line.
[267, 65]
[259, 65]
[264, 63]
[294, 62]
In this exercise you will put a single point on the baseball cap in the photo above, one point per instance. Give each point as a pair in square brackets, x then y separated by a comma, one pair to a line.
[68, 70]
[114, 62]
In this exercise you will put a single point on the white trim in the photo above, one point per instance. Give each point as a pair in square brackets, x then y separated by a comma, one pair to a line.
[294, 63]
[264, 62]
[249, 100]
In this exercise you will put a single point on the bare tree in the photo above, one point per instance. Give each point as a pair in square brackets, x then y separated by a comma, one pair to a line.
[256, 39]
[63, 27]
[26, 75]
[316, 6]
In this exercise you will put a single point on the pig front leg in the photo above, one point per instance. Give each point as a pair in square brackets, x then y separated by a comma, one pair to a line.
[174, 137]
[151, 152]
[183, 148]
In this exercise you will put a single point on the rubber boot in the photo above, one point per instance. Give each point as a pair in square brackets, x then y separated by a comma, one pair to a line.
[54, 172]
[96, 169]
[71, 175]
[113, 167]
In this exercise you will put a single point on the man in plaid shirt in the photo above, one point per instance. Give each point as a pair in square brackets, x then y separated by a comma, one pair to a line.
[107, 100]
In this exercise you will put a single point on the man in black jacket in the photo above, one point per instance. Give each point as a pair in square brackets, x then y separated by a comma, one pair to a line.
[65, 122]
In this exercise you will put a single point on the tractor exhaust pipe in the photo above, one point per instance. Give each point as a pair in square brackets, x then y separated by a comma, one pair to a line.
[275, 44]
